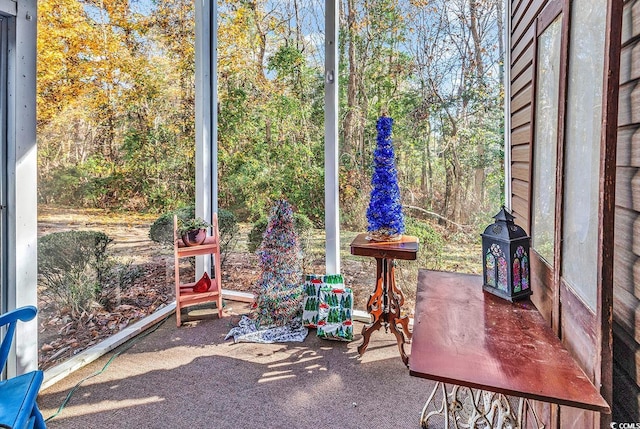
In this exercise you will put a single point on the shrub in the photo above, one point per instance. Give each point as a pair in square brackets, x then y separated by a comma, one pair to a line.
[255, 235]
[431, 242]
[71, 267]
[161, 230]
[229, 229]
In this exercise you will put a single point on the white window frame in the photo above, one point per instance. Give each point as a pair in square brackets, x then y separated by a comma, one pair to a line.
[207, 124]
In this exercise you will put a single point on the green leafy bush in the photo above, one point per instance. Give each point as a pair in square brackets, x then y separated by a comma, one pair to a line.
[161, 230]
[302, 224]
[192, 224]
[255, 235]
[229, 229]
[431, 242]
[71, 267]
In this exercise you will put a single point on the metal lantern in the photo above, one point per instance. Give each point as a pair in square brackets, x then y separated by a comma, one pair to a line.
[505, 265]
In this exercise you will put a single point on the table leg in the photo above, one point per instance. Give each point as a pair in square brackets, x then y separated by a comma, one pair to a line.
[384, 305]
[375, 307]
[396, 299]
[400, 339]
[464, 407]
[396, 292]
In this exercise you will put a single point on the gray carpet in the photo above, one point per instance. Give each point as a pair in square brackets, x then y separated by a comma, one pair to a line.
[190, 377]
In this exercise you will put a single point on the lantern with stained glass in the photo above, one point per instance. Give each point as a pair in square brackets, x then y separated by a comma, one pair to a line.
[505, 251]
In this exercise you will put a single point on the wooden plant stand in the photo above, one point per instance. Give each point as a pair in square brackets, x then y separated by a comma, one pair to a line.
[185, 295]
[386, 300]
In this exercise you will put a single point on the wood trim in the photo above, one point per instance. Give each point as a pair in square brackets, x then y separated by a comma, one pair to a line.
[562, 100]
[542, 286]
[607, 196]
[568, 312]
[548, 15]
[576, 317]
[562, 108]
[532, 121]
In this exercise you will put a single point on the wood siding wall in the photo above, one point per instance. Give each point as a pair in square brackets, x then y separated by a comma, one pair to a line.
[626, 303]
[626, 287]
[627, 253]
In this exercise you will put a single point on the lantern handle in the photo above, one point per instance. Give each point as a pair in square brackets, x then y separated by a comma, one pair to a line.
[504, 216]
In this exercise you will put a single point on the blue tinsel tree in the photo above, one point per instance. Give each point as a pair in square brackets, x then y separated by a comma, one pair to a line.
[385, 211]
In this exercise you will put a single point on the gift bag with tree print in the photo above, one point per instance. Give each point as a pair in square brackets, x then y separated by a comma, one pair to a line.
[311, 290]
[334, 312]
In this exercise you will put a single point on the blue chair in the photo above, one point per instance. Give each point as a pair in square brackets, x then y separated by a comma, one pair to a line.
[18, 408]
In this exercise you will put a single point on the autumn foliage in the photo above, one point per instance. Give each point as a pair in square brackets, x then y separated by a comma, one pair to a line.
[116, 91]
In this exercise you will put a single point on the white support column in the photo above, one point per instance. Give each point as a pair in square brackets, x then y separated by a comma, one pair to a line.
[213, 105]
[331, 186]
[22, 221]
[507, 103]
[206, 120]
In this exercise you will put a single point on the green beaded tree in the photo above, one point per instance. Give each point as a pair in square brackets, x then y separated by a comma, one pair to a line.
[279, 290]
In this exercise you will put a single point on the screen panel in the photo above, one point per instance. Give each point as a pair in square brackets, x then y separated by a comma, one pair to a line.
[546, 141]
[582, 150]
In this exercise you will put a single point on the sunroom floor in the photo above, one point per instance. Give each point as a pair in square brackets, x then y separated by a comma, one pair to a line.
[190, 377]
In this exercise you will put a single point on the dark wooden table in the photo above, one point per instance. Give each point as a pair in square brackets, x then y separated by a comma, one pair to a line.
[466, 337]
[386, 300]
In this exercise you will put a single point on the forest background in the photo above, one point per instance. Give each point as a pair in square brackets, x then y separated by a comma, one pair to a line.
[116, 141]
[116, 105]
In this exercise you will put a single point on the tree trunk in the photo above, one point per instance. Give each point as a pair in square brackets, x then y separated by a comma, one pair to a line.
[500, 20]
[350, 116]
[479, 174]
[262, 36]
